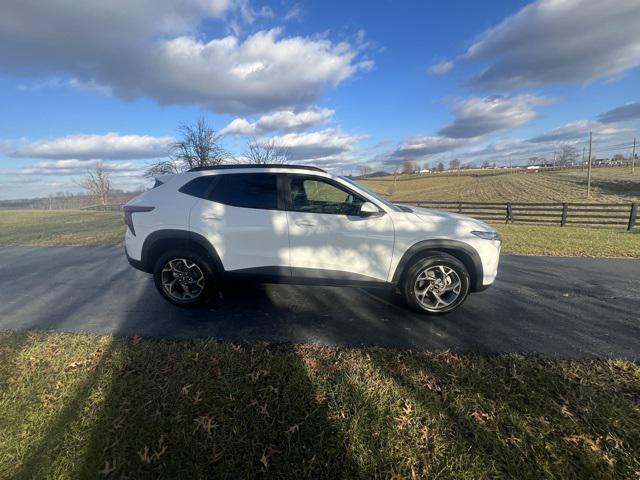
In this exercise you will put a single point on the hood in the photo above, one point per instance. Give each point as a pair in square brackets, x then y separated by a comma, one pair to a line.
[427, 214]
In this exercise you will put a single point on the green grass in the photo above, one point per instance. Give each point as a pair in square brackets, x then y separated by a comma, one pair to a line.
[569, 241]
[60, 227]
[76, 406]
[609, 185]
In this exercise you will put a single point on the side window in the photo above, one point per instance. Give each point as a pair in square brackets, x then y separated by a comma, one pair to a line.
[198, 187]
[318, 196]
[250, 190]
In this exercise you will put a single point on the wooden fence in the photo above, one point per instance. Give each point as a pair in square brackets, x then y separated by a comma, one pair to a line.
[562, 214]
[104, 208]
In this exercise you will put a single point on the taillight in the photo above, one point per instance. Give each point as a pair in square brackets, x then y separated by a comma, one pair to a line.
[129, 210]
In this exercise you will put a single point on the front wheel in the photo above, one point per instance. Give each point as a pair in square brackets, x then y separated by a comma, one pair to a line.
[183, 278]
[436, 284]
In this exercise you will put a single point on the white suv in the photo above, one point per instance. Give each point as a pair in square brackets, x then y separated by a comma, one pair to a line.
[295, 224]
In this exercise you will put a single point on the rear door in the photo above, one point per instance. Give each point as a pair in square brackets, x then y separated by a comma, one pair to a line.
[327, 236]
[242, 216]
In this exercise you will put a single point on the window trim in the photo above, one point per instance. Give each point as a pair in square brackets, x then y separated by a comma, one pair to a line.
[330, 181]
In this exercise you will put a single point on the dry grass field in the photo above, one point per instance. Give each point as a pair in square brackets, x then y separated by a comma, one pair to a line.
[610, 185]
[60, 227]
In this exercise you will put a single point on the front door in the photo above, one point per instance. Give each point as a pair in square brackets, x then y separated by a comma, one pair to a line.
[327, 236]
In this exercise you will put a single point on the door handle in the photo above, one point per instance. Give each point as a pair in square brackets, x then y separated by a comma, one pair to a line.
[212, 217]
[306, 224]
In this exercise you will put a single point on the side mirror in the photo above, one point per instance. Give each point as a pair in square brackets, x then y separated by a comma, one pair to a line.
[368, 209]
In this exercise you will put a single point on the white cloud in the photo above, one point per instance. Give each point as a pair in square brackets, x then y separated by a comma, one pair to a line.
[624, 113]
[481, 116]
[294, 13]
[284, 120]
[108, 146]
[559, 41]
[579, 131]
[79, 167]
[425, 145]
[323, 145]
[155, 49]
[441, 68]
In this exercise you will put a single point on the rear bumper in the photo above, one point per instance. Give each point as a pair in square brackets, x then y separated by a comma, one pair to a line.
[137, 264]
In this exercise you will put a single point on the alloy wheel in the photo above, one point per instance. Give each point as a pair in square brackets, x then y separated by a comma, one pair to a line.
[437, 287]
[182, 279]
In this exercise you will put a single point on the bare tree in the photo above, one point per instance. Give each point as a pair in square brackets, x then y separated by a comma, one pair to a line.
[365, 169]
[409, 166]
[98, 183]
[264, 152]
[198, 146]
[440, 167]
[568, 155]
[426, 166]
[454, 164]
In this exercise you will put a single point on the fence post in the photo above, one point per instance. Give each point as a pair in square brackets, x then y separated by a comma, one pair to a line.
[509, 214]
[565, 210]
[633, 215]
[459, 207]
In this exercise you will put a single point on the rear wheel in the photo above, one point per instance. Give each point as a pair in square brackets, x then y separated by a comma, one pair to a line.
[437, 283]
[184, 278]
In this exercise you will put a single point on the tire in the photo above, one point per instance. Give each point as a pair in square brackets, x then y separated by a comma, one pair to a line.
[199, 278]
[435, 275]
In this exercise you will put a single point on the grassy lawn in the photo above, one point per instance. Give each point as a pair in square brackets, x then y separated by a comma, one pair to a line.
[569, 241]
[60, 227]
[609, 185]
[76, 406]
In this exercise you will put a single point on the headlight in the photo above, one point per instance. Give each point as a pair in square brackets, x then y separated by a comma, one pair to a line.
[487, 235]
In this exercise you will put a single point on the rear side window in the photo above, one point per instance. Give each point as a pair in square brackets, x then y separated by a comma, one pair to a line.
[198, 187]
[251, 190]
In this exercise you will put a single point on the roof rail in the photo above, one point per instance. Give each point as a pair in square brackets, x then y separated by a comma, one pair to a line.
[255, 165]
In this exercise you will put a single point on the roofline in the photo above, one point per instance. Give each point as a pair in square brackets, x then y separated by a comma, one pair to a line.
[255, 165]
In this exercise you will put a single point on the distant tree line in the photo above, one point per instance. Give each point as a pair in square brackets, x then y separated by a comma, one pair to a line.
[65, 200]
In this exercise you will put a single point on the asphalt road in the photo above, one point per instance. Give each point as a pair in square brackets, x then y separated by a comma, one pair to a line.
[552, 306]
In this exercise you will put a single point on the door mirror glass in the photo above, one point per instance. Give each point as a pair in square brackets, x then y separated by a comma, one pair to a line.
[368, 209]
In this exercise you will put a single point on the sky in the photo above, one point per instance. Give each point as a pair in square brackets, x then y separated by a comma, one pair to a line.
[336, 84]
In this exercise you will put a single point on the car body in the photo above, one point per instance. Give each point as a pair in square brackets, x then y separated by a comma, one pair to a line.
[293, 224]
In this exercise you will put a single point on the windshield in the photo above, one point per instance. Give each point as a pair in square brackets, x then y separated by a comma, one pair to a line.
[373, 194]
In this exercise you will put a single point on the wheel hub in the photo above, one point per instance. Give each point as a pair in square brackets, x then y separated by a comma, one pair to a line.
[182, 279]
[437, 287]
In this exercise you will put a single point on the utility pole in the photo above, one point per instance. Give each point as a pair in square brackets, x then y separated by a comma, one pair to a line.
[633, 157]
[582, 162]
[589, 168]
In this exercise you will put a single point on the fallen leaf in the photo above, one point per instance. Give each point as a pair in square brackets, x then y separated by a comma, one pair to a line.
[481, 417]
[109, 467]
[205, 423]
[293, 429]
[144, 456]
